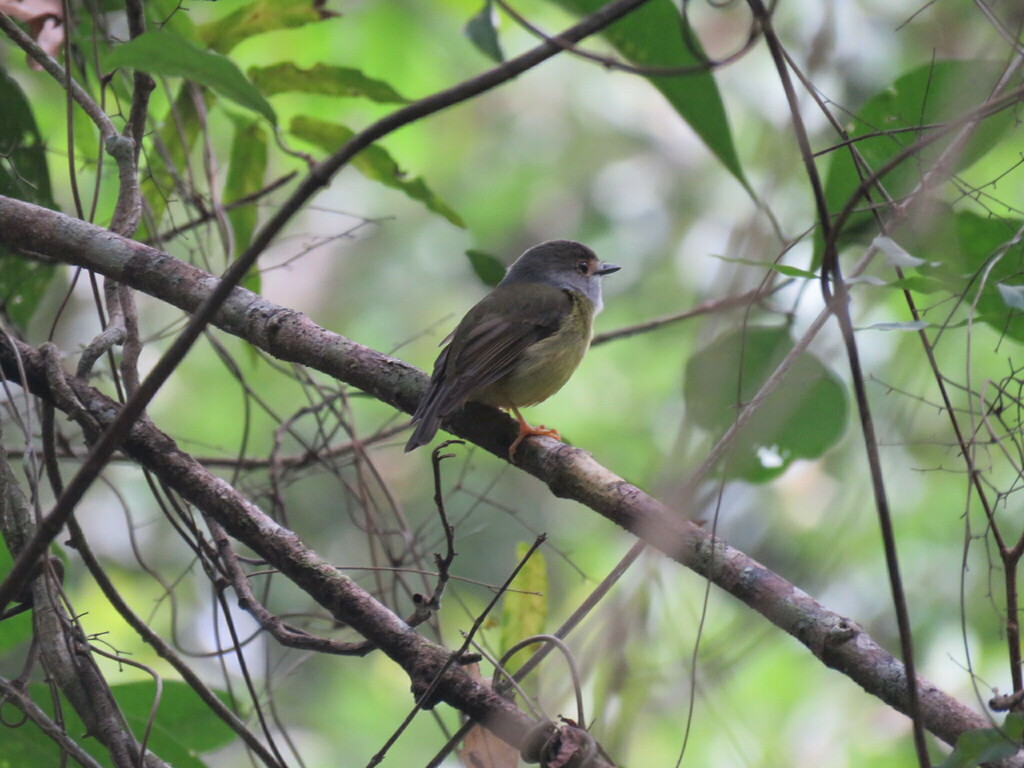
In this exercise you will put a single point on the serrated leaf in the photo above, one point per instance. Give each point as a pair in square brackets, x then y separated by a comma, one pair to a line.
[24, 175]
[256, 18]
[374, 162]
[324, 79]
[487, 267]
[657, 35]
[801, 419]
[163, 53]
[483, 34]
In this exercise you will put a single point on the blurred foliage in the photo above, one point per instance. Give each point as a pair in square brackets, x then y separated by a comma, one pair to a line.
[24, 174]
[183, 728]
[727, 375]
[693, 183]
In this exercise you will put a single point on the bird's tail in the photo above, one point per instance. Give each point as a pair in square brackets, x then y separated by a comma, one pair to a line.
[433, 406]
[426, 427]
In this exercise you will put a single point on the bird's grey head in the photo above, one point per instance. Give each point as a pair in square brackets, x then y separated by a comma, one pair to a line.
[563, 264]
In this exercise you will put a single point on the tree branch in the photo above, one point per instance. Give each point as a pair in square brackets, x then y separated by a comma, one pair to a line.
[569, 472]
[428, 664]
[107, 442]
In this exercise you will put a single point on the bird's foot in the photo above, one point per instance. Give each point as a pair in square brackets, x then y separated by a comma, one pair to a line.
[525, 431]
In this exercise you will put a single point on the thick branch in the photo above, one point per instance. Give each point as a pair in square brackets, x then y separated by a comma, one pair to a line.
[568, 471]
[107, 442]
[280, 547]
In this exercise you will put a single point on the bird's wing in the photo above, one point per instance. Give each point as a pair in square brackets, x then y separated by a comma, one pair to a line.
[484, 347]
[487, 344]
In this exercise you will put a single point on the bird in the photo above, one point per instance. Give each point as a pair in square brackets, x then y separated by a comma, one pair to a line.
[521, 342]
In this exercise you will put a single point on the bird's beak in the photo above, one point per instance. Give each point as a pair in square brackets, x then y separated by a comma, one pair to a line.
[607, 269]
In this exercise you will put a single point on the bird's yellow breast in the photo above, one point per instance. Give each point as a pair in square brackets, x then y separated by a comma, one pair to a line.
[547, 364]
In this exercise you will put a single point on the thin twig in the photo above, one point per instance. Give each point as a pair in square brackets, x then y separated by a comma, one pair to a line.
[425, 694]
[320, 176]
[835, 294]
[569, 472]
[703, 308]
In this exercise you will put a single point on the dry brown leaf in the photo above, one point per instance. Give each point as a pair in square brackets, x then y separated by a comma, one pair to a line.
[481, 748]
[45, 19]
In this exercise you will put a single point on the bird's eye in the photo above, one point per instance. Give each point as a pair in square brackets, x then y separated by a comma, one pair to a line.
[583, 267]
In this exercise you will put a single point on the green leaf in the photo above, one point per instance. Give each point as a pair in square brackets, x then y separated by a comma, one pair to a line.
[25, 175]
[654, 35]
[246, 170]
[28, 745]
[986, 745]
[801, 419]
[258, 17]
[164, 53]
[524, 615]
[323, 79]
[896, 117]
[168, 15]
[374, 162]
[984, 265]
[487, 267]
[482, 33]
[782, 269]
[183, 728]
[918, 284]
[178, 132]
[184, 725]
[17, 629]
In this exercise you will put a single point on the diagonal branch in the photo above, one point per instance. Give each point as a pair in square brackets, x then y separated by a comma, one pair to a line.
[107, 442]
[569, 472]
[431, 667]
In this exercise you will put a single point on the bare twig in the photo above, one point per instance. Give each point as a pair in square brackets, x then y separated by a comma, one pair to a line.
[568, 471]
[703, 308]
[282, 549]
[133, 409]
[286, 635]
[443, 562]
[427, 690]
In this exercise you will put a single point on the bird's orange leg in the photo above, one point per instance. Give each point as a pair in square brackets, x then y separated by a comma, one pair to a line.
[526, 430]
